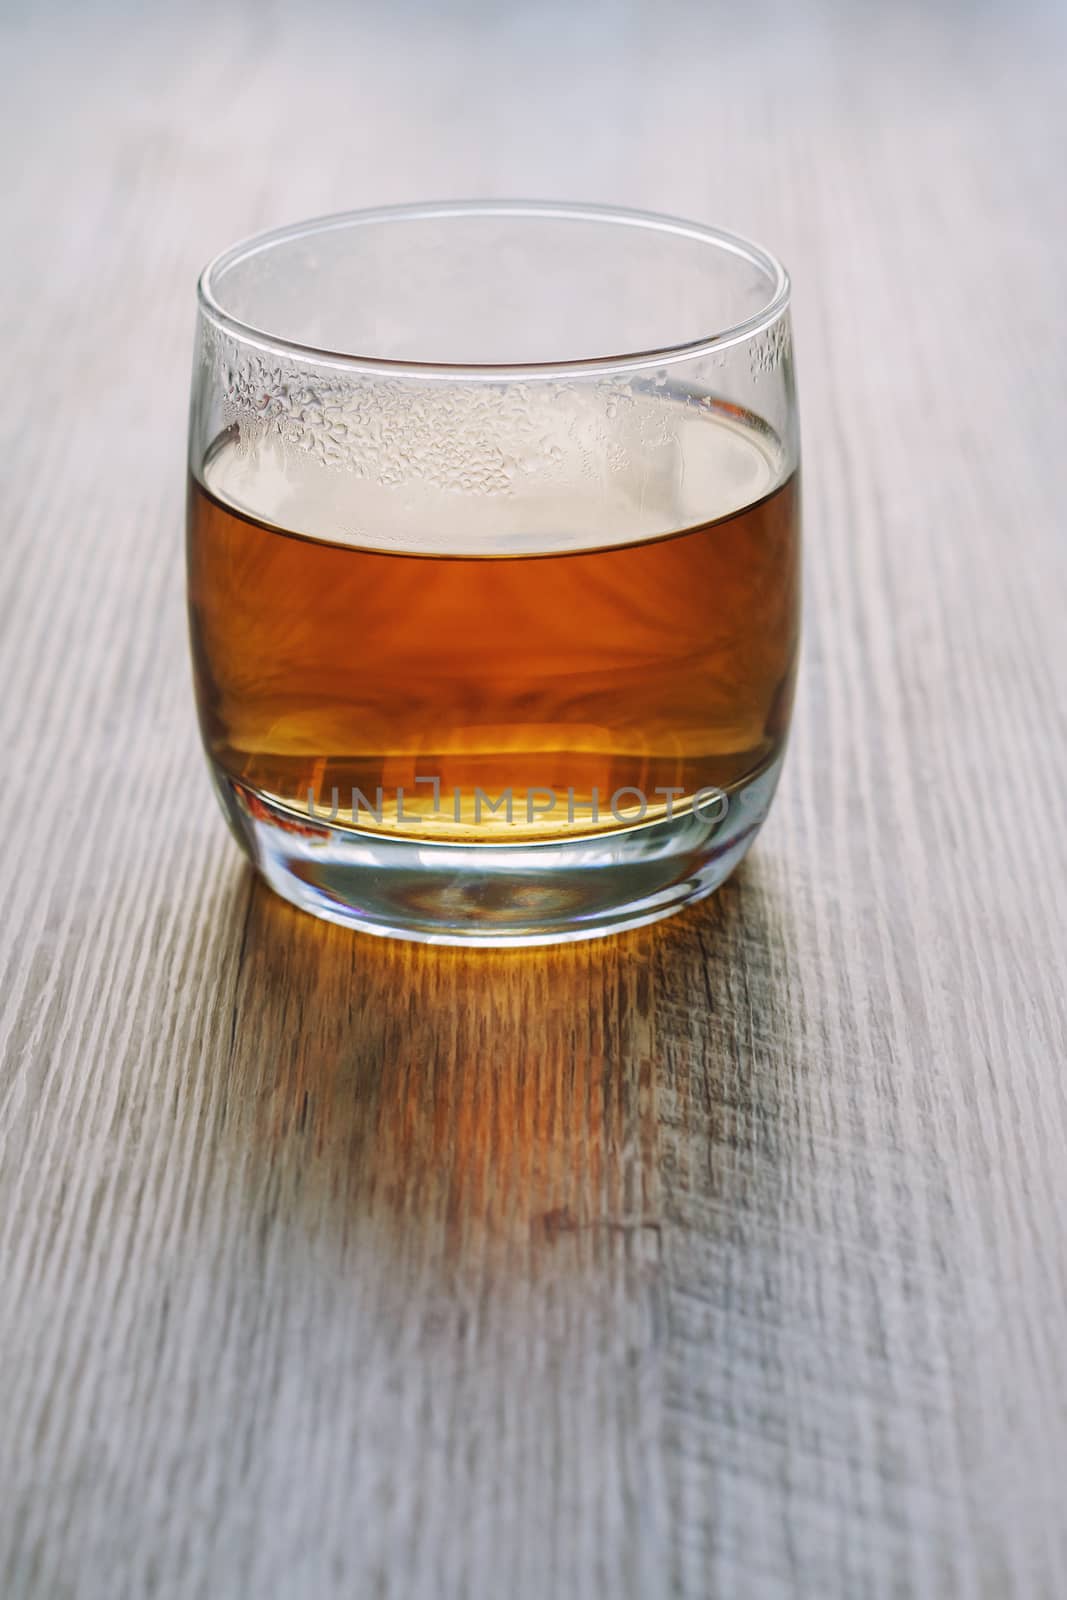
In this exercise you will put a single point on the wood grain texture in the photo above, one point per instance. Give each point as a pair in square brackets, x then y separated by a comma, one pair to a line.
[725, 1259]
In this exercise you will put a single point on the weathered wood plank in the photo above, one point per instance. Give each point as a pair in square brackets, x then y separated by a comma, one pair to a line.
[727, 1258]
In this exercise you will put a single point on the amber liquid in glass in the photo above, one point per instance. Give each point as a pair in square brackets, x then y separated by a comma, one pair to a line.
[645, 671]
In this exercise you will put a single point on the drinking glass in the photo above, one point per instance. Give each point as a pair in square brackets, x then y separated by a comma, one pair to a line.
[493, 557]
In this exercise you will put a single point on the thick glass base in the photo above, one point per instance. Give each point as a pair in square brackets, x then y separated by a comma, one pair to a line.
[498, 895]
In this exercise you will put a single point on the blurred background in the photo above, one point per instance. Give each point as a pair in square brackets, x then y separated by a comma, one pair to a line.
[865, 143]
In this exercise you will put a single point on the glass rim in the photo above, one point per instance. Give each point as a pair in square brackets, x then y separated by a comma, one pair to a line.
[735, 333]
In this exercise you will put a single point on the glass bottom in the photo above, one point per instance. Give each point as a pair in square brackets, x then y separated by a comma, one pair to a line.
[497, 895]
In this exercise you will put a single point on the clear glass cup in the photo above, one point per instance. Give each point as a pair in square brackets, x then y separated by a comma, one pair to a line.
[494, 563]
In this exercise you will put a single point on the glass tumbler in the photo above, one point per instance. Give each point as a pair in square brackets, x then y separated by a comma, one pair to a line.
[493, 558]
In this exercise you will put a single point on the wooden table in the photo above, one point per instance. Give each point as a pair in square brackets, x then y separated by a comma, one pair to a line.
[728, 1258]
